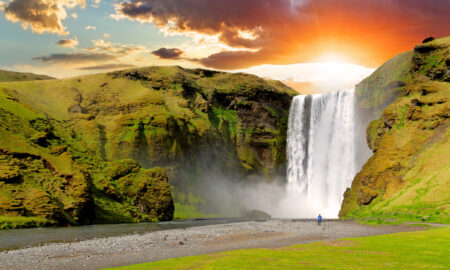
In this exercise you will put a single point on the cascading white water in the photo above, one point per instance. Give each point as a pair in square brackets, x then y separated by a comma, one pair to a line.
[320, 152]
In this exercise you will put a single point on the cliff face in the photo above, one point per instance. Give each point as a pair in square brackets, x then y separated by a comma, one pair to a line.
[197, 116]
[408, 176]
[48, 178]
[84, 149]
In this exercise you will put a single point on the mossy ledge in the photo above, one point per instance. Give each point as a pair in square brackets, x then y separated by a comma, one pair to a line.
[408, 176]
[101, 148]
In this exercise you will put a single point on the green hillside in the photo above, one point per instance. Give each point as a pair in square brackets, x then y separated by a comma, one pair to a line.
[84, 149]
[408, 177]
[11, 76]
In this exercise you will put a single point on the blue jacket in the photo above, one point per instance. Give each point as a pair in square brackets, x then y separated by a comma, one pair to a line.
[319, 217]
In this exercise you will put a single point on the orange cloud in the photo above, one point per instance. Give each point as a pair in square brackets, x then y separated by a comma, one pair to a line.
[41, 15]
[116, 49]
[290, 31]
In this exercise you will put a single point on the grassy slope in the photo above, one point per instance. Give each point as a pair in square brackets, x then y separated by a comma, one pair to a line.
[380, 89]
[10, 76]
[412, 250]
[408, 177]
[154, 115]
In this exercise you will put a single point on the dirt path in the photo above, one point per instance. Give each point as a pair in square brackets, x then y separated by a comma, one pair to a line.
[136, 248]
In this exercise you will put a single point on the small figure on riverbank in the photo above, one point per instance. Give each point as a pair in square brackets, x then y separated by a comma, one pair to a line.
[319, 220]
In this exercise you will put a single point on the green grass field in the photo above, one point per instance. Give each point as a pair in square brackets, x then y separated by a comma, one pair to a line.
[15, 222]
[412, 250]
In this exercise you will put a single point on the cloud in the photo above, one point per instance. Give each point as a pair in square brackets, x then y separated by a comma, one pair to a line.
[41, 16]
[90, 27]
[2, 5]
[293, 31]
[101, 53]
[117, 49]
[165, 53]
[75, 58]
[69, 43]
[107, 67]
[106, 35]
[74, 15]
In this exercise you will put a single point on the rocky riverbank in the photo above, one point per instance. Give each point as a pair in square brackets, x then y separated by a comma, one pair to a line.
[136, 248]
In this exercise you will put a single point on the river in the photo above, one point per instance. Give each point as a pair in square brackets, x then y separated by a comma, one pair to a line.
[20, 238]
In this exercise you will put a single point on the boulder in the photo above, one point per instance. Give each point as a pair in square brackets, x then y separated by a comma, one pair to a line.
[256, 214]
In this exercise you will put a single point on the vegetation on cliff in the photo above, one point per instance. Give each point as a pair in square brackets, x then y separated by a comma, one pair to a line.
[84, 149]
[408, 177]
[11, 76]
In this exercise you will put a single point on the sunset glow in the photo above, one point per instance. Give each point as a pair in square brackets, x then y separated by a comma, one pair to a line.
[238, 35]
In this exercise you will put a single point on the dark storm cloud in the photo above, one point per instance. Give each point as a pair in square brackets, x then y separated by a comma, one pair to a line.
[165, 53]
[289, 31]
[210, 16]
[73, 58]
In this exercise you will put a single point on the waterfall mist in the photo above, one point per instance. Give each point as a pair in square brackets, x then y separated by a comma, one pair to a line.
[325, 148]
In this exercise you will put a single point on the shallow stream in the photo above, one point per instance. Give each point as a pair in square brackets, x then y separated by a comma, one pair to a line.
[20, 238]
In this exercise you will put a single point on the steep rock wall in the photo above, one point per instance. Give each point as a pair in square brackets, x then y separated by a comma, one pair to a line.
[95, 141]
[408, 175]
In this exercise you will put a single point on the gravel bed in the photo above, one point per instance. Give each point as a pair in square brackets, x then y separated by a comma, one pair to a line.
[99, 253]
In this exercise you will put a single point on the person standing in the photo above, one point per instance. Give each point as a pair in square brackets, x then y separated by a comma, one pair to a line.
[319, 220]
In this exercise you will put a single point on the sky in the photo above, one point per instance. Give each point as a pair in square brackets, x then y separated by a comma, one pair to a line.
[311, 45]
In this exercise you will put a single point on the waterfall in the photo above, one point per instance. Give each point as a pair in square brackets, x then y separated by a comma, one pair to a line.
[320, 152]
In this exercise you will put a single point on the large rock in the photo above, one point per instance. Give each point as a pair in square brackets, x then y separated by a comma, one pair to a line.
[150, 192]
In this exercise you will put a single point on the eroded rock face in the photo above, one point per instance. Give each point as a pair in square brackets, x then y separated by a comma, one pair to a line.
[240, 116]
[60, 183]
[408, 174]
[95, 142]
[31, 185]
[432, 60]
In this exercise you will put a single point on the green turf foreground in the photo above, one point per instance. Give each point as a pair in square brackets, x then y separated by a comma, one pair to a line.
[412, 250]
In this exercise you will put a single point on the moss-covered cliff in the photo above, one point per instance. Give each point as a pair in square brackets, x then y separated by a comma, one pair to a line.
[408, 177]
[48, 178]
[82, 150]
